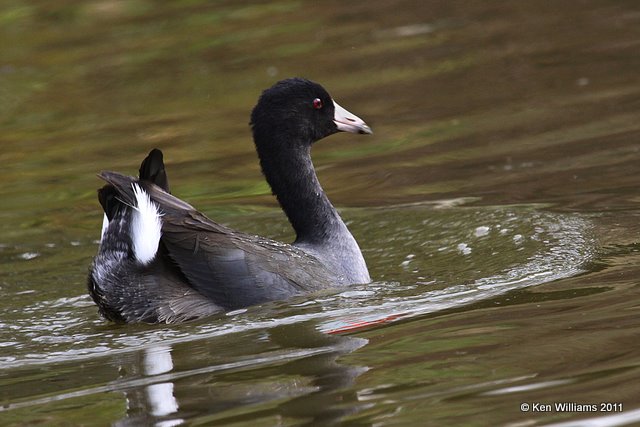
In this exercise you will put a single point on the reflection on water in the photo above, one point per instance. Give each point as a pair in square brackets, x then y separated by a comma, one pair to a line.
[628, 418]
[519, 285]
[507, 248]
[504, 249]
[157, 360]
[154, 389]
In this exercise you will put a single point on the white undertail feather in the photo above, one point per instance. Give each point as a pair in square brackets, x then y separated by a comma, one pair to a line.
[105, 225]
[146, 227]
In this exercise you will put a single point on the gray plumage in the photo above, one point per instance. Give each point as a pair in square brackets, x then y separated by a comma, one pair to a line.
[202, 267]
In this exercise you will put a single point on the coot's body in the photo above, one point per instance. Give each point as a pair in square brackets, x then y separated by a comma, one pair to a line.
[160, 260]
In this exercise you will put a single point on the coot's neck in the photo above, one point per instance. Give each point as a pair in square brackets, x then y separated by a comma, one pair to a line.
[319, 229]
[293, 180]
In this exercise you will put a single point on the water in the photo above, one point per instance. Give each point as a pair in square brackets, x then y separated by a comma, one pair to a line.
[496, 205]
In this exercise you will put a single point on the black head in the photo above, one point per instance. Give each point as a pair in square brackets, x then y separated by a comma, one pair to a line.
[299, 111]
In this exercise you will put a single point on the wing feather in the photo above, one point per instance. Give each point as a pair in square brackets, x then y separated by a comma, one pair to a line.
[232, 269]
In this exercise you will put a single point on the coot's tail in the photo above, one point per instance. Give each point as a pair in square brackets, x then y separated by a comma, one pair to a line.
[152, 170]
[131, 233]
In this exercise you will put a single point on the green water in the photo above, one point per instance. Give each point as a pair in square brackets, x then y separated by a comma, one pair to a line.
[497, 206]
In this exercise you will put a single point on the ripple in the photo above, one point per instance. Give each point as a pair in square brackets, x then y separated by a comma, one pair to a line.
[28, 255]
[432, 267]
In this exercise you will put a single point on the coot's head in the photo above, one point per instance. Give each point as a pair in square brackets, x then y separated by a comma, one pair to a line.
[299, 111]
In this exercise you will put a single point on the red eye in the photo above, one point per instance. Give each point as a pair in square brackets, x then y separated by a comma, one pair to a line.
[317, 103]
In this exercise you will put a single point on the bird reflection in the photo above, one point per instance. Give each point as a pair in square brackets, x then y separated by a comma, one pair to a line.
[151, 404]
[333, 397]
[294, 374]
[156, 361]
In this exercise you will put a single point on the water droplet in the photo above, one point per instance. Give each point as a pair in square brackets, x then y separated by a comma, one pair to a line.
[481, 231]
[464, 249]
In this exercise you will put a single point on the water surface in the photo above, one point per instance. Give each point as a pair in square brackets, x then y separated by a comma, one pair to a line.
[496, 204]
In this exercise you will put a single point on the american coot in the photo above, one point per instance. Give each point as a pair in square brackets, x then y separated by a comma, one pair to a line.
[160, 260]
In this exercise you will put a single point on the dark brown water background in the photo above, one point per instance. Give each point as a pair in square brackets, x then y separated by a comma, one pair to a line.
[497, 204]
